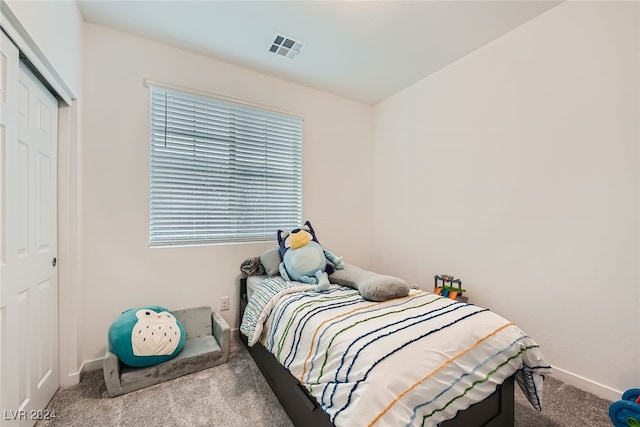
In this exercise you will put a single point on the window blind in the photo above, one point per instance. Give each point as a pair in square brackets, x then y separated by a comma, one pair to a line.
[221, 172]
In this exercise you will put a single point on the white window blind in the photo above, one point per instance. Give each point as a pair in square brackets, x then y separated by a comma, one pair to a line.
[221, 172]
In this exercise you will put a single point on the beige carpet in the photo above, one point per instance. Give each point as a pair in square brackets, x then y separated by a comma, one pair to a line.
[236, 394]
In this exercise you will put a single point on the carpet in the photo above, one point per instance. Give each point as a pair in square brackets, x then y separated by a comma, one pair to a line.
[236, 395]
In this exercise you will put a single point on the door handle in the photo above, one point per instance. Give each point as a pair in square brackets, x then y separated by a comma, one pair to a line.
[54, 261]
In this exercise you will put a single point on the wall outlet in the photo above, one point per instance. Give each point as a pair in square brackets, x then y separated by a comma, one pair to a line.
[224, 303]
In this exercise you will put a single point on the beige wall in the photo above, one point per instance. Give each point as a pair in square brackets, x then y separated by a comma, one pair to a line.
[517, 169]
[120, 270]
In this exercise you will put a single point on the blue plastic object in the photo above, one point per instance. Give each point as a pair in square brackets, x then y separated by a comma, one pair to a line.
[626, 412]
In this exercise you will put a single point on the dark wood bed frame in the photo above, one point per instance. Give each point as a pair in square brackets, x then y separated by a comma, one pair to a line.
[495, 411]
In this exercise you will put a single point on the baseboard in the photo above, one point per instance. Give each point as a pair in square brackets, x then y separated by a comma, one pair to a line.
[74, 378]
[91, 365]
[585, 384]
[70, 380]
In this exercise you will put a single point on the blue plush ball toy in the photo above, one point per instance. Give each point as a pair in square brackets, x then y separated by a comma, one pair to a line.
[146, 336]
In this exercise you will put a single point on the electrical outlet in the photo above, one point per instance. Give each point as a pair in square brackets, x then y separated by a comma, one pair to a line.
[224, 303]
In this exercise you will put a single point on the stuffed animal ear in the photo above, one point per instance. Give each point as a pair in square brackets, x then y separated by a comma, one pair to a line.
[282, 236]
[307, 224]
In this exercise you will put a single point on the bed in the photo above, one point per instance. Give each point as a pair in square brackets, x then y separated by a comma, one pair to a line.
[334, 358]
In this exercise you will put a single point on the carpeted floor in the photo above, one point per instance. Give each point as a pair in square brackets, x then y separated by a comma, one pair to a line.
[236, 394]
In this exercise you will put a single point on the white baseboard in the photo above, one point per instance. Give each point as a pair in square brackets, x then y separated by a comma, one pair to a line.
[70, 380]
[585, 384]
[91, 365]
[74, 378]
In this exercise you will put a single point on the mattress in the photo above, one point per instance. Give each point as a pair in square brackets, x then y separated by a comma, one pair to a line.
[252, 283]
[415, 360]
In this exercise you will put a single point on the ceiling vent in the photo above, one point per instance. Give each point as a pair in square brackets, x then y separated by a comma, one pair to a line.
[286, 46]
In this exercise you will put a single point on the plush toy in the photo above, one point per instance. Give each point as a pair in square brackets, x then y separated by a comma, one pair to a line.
[372, 286]
[626, 412]
[146, 336]
[304, 260]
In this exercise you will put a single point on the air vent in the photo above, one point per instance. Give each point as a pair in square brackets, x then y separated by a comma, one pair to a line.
[286, 46]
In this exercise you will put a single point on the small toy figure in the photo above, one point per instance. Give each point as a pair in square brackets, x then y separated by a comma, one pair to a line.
[447, 289]
[626, 412]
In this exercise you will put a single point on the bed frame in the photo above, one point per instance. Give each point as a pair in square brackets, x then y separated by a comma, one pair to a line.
[495, 411]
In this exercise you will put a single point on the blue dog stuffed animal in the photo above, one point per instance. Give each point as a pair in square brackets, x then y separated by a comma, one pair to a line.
[304, 260]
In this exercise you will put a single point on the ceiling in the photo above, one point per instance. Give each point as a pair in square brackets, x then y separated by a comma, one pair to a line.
[362, 50]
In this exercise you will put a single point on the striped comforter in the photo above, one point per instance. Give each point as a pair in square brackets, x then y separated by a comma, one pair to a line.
[416, 360]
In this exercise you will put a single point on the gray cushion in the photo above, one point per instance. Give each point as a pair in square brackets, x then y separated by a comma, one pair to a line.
[372, 286]
[196, 321]
[202, 352]
[348, 276]
[270, 259]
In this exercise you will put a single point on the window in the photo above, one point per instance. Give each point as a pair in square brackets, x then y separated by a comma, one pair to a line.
[220, 171]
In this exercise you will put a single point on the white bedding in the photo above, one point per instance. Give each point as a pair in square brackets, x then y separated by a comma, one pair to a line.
[416, 360]
[252, 283]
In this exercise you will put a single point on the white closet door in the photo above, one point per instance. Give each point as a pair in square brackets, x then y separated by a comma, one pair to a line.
[28, 277]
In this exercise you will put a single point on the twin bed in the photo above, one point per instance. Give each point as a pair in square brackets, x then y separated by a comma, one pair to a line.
[334, 358]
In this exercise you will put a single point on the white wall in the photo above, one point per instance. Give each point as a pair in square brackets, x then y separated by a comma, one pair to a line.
[120, 270]
[517, 169]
